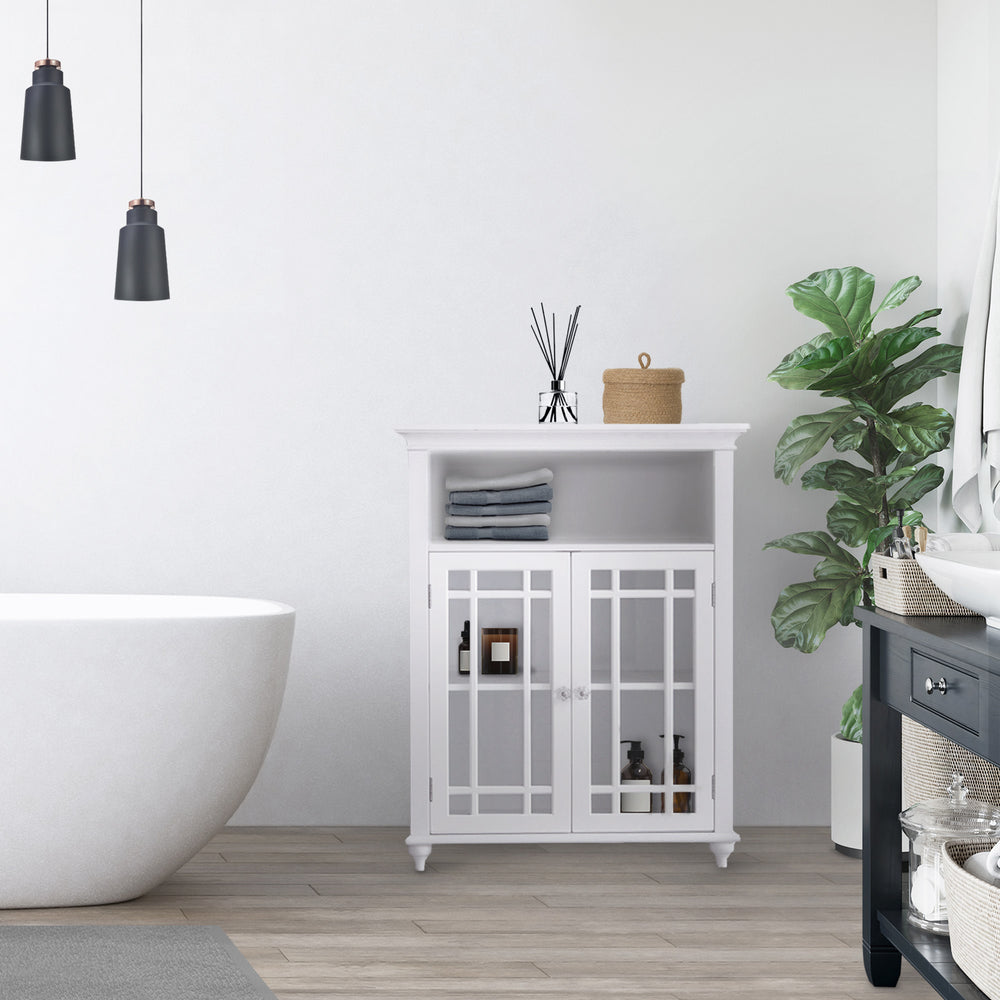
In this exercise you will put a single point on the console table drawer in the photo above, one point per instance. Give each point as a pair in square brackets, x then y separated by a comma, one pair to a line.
[954, 695]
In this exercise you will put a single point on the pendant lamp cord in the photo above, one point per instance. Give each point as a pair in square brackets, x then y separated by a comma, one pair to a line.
[46, 29]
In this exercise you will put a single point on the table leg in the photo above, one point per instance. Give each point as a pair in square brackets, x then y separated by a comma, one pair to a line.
[882, 862]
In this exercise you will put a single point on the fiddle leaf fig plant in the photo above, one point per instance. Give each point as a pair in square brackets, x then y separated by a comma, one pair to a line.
[888, 440]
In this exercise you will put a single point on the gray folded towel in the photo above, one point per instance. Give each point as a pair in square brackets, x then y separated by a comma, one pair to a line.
[529, 533]
[505, 509]
[479, 498]
[513, 481]
[511, 521]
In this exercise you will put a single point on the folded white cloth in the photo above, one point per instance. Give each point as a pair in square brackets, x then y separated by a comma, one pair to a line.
[513, 481]
[977, 410]
[499, 521]
[964, 541]
[983, 867]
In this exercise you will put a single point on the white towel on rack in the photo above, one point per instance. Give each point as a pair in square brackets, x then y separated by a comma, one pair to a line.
[976, 441]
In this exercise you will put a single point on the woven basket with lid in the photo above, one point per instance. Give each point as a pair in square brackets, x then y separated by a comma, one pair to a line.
[642, 395]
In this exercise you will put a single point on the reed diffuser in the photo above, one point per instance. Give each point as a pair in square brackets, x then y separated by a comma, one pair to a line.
[557, 404]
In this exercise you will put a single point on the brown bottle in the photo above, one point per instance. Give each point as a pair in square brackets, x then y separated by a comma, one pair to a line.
[464, 651]
[635, 772]
[682, 776]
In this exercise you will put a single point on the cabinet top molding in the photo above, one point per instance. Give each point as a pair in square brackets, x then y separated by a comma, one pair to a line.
[575, 437]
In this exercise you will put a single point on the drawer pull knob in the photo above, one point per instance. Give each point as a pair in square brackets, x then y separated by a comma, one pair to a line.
[931, 686]
[564, 693]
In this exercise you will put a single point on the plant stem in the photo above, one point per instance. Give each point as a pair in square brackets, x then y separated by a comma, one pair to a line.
[878, 467]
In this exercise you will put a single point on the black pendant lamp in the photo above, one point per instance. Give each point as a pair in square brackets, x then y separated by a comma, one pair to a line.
[47, 131]
[142, 247]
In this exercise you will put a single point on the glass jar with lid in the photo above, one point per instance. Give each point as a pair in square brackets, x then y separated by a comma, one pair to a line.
[928, 825]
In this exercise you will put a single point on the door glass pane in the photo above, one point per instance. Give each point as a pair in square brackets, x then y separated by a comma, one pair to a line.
[541, 738]
[541, 580]
[501, 738]
[458, 579]
[541, 803]
[500, 579]
[460, 804]
[642, 717]
[503, 803]
[458, 742]
[603, 743]
[501, 631]
[642, 633]
[600, 640]
[460, 652]
[683, 639]
[600, 579]
[685, 770]
[642, 579]
[540, 654]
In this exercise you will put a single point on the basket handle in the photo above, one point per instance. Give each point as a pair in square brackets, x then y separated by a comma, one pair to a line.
[645, 364]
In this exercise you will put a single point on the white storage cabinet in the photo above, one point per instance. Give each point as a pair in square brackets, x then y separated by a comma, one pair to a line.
[623, 626]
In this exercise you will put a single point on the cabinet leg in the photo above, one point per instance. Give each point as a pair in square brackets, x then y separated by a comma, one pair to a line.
[722, 852]
[420, 853]
[881, 965]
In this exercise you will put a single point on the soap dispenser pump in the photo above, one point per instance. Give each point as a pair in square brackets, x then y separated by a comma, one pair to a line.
[635, 772]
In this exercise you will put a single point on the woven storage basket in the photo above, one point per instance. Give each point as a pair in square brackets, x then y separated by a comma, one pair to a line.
[973, 916]
[930, 759]
[901, 586]
[642, 395]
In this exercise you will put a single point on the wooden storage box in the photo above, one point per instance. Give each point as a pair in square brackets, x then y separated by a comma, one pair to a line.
[642, 395]
[902, 587]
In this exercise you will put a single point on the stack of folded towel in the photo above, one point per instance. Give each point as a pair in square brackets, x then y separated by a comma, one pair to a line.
[964, 541]
[512, 508]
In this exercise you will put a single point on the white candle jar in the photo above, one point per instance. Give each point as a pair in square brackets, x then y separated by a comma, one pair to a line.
[928, 825]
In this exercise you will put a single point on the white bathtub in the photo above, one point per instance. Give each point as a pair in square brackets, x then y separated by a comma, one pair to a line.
[131, 728]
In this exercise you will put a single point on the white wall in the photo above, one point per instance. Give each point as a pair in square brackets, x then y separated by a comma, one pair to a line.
[362, 200]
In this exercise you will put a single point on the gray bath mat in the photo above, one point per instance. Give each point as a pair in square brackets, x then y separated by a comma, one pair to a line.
[124, 963]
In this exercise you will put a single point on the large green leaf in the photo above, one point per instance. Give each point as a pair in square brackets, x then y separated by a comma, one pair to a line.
[918, 429]
[907, 378]
[840, 298]
[805, 612]
[815, 543]
[851, 522]
[898, 294]
[805, 437]
[835, 474]
[888, 345]
[928, 477]
[848, 377]
[789, 375]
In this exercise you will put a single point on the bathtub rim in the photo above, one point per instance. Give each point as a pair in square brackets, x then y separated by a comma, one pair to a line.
[109, 607]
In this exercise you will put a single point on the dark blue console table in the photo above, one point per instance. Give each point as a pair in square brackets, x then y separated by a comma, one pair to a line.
[900, 654]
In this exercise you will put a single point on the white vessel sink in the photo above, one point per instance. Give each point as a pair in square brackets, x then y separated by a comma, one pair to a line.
[970, 578]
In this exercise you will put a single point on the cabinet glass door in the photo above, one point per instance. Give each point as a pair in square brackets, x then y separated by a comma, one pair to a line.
[500, 702]
[643, 673]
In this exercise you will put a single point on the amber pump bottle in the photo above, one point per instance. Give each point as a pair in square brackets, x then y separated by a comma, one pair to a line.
[635, 772]
[682, 776]
[463, 651]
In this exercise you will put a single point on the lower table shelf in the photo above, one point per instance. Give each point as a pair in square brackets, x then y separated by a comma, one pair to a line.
[930, 955]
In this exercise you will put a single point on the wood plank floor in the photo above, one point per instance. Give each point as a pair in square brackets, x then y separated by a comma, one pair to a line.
[340, 912]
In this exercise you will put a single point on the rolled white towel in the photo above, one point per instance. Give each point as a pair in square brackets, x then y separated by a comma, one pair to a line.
[964, 541]
[982, 867]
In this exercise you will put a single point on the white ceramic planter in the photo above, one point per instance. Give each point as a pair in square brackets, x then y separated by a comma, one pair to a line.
[845, 795]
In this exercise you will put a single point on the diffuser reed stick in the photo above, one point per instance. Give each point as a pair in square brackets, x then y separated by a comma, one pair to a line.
[556, 363]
